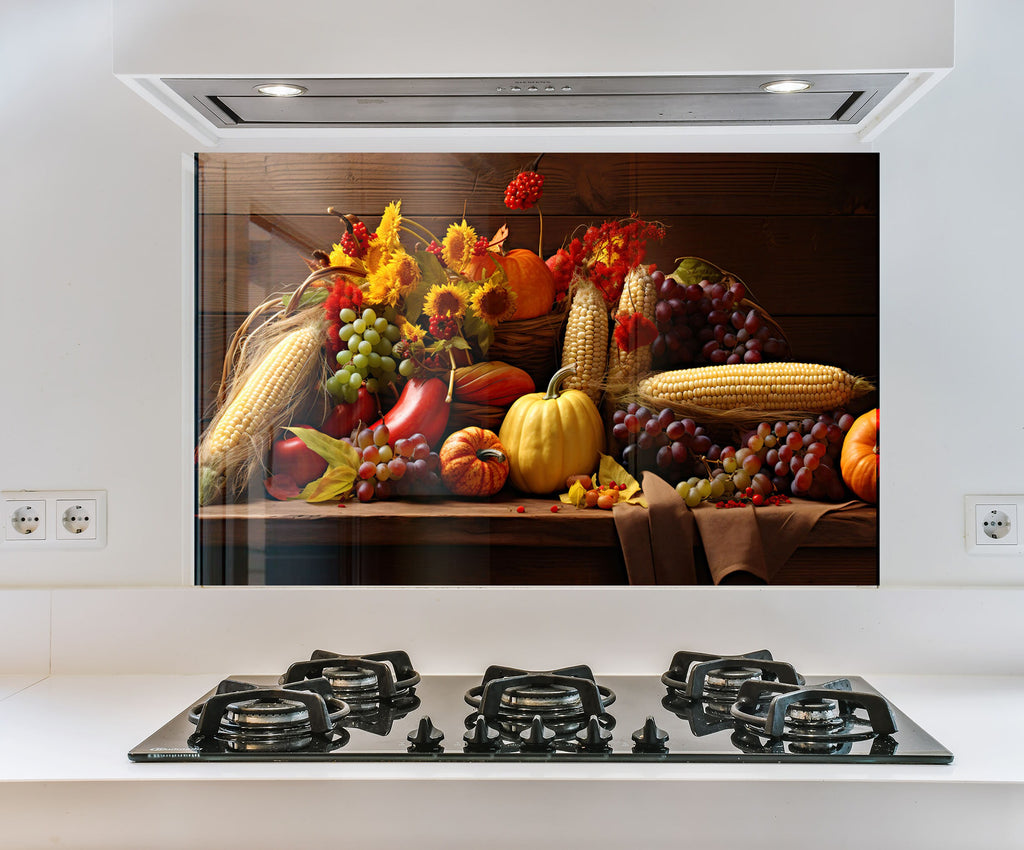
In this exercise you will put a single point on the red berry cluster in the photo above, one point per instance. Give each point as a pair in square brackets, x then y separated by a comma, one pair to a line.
[434, 248]
[343, 294]
[356, 241]
[481, 246]
[622, 243]
[756, 499]
[524, 190]
[633, 331]
[443, 327]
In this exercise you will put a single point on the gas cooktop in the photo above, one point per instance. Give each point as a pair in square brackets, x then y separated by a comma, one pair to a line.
[704, 708]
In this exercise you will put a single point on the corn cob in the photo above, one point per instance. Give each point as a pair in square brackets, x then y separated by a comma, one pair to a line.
[241, 431]
[808, 387]
[586, 339]
[639, 295]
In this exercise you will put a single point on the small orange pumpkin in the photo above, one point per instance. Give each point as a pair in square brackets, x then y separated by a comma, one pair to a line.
[858, 460]
[528, 277]
[473, 462]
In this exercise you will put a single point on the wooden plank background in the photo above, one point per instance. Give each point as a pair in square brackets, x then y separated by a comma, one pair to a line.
[800, 229]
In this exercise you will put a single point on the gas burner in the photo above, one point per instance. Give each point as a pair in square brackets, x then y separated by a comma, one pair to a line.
[812, 718]
[717, 679]
[563, 699]
[366, 682]
[243, 717]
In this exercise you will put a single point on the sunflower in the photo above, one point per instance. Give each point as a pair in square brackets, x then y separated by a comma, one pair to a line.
[377, 256]
[393, 281]
[458, 244]
[411, 332]
[446, 299]
[390, 222]
[493, 302]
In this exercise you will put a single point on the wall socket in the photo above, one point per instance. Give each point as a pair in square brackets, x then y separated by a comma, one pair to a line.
[54, 519]
[992, 525]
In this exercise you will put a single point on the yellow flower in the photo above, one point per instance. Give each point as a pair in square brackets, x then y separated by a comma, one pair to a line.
[387, 230]
[411, 332]
[377, 256]
[446, 299]
[342, 260]
[457, 247]
[493, 302]
[393, 281]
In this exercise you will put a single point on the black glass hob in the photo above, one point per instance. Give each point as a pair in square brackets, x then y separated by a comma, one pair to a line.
[704, 708]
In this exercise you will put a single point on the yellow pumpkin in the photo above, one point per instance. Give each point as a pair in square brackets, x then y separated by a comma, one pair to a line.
[858, 460]
[473, 462]
[550, 436]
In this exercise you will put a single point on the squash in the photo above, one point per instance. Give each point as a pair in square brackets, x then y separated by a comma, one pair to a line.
[528, 277]
[473, 462]
[858, 460]
[550, 436]
[491, 382]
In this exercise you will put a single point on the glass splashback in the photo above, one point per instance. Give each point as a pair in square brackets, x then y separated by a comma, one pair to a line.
[457, 258]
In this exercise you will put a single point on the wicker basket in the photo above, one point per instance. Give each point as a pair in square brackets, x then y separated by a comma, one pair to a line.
[533, 345]
[464, 414]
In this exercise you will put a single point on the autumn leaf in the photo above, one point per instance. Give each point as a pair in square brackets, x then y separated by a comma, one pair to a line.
[498, 239]
[576, 496]
[335, 452]
[610, 472]
[333, 484]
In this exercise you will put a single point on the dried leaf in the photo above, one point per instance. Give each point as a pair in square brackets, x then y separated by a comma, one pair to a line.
[577, 495]
[333, 484]
[611, 472]
[335, 452]
[693, 270]
[498, 239]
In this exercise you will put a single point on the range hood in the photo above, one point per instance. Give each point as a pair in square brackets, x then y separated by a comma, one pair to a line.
[535, 101]
[661, 66]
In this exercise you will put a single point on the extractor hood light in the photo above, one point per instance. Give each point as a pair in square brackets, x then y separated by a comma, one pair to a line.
[786, 86]
[280, 90]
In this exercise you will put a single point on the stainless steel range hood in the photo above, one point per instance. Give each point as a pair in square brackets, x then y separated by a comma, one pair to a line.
[536, 101]
[593, 66]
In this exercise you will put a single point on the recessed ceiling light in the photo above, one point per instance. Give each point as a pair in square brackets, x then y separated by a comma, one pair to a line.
[280, 89]
[786, 86]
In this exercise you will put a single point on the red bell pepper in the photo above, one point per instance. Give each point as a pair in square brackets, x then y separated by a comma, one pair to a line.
[421, 409]
[345, 417]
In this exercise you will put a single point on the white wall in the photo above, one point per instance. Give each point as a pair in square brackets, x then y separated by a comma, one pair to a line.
[93, 336]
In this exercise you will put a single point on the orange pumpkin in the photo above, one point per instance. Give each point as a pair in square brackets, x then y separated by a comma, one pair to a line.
[473, 462]
[858, 460]
[527, 275]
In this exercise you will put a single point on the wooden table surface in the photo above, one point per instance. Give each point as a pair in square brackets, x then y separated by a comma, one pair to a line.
[448, 539]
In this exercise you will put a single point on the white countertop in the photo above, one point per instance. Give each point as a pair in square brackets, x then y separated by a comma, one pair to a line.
[64, 740]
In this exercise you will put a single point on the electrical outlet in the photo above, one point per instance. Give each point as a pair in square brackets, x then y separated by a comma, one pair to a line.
[54, 519]
[991, 525]
[24, 519]
[76, 519]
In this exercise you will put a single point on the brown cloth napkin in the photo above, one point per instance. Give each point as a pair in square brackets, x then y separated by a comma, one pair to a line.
[756, 540]
[658, 543]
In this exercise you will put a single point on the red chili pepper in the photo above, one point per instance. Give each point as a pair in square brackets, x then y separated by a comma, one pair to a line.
[420, 409]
